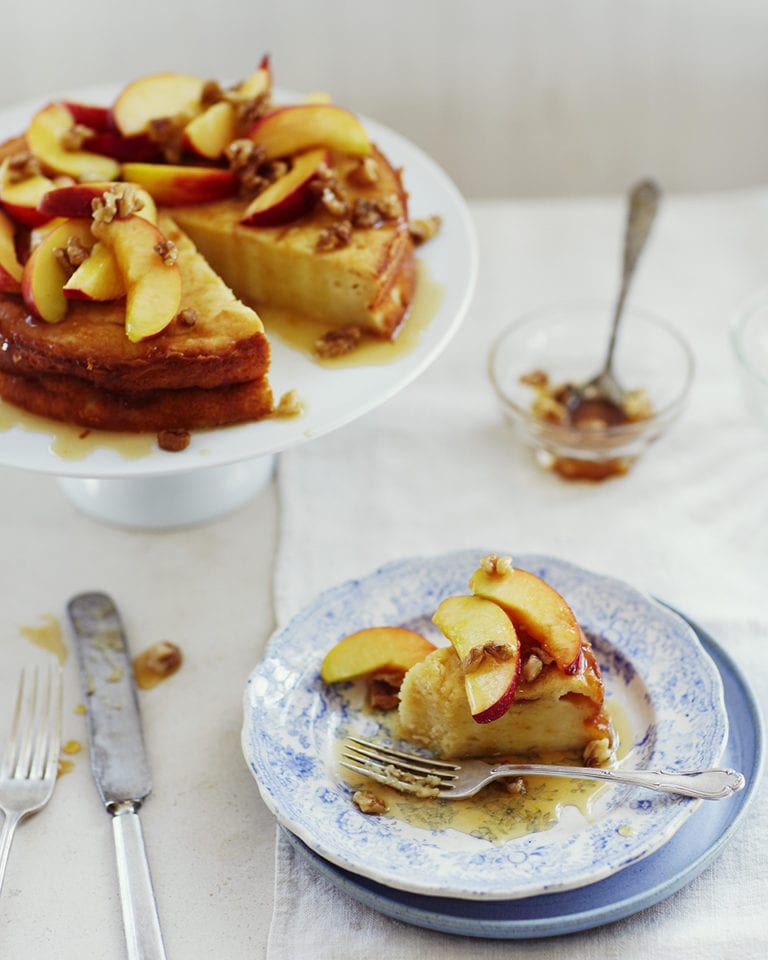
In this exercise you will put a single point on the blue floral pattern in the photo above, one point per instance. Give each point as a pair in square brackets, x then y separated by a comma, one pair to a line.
[654, 669]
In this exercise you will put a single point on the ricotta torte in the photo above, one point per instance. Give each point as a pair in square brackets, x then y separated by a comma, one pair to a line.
[251, 206]
[537, 686]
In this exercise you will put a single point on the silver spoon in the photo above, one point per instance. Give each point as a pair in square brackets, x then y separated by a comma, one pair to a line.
[602, 397]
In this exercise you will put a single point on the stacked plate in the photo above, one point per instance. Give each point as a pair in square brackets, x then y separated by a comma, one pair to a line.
[683, 703]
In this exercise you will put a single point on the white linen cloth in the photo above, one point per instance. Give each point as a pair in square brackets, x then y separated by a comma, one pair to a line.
[436, 469]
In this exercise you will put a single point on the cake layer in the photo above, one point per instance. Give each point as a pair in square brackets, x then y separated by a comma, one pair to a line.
[72, 400]
[369, 282]
[552, 714]
[221, 341]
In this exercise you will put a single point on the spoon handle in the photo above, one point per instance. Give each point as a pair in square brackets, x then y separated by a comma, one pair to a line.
[643, 203]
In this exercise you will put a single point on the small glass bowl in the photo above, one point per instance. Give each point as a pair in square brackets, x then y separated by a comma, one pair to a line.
[749, 337]
[568, 343]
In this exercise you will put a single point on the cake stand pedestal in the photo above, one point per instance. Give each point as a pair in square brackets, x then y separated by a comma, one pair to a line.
[170, 500]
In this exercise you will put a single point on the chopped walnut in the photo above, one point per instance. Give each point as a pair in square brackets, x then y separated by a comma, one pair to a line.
[74, 138]
[211, 93]
[118, 201]
[365, 174]
[72, 255]
[338, 343]
[334, 237]
[248, 111]
[598, 753]
[515, 785]
[173, 440]
[167, 251]
[21, 166]
[156, 663]
[545, 657]
[187, 317]
[424, 229]
[333, 200]
[246, 160]
[496, 565]
[368, 802]
[168, 134]
[532, 668]
[497, 651]
[384, 689]
[290, 404]
[536, 378]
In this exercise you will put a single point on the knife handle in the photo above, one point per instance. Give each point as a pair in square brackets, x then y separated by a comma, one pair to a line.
[140, 919]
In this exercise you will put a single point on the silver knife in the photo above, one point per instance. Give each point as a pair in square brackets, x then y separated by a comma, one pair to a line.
[118, 759]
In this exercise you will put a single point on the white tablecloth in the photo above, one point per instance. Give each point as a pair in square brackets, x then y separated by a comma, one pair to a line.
[436, 469]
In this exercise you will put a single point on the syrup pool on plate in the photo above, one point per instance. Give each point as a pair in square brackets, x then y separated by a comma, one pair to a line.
[501, 811]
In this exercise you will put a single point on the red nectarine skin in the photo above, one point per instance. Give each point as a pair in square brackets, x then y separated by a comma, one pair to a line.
[90, 115]
[501, 706]
[288, 198]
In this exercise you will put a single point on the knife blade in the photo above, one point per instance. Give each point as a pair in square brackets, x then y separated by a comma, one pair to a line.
[118, 759]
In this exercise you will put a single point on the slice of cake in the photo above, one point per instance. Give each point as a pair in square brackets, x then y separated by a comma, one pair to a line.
[520, 678]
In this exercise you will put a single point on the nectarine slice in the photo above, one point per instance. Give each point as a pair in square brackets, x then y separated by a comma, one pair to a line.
[534, 606]
[154, 96]
[152, 282]
[97, 278]
[487, 646]
[43, 278]
[290, 130]
[211, 131]
[10, 268]
[172, 184]
[374, 649]
[290, 196]
[20, 199]
[77, 200]
[46, 137]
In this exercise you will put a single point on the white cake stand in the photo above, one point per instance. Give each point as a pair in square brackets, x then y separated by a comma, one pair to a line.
[223, 469]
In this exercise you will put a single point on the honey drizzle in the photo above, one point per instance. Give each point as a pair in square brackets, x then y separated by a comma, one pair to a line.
[301, 333]
[495, 814]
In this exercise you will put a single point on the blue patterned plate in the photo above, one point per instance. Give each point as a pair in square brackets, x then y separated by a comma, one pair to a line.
[656, 673]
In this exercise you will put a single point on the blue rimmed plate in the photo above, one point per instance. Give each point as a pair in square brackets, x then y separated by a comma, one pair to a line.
[656, 673]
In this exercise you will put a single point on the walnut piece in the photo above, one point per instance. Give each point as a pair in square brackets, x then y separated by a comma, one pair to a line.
[173, 440]
[368, 802]
[365, 174]
[598, 753]
[496, 565]
[156, 663]
[289, 405]
[121, 200]
[168, 134]
[334, 237]
[187, 317]
[424, 229]
[338, 342]
[384, 689]
[21, 166]
[72, 255]
[496, 651]
[74, 138]
[167, 251]
[532, 668]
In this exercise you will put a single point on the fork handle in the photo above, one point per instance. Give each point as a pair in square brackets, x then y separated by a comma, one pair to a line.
[702, 784]
[6, 838]
[140, 918]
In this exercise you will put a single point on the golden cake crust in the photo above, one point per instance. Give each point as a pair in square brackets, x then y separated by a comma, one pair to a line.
[226, 345]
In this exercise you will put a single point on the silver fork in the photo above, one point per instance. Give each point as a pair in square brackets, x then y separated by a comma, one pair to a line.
[30, 765]
[427, 777]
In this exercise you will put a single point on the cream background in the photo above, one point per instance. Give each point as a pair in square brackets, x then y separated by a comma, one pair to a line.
[512, 97]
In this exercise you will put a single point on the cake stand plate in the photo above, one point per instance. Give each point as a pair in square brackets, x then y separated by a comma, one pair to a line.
[222, 469]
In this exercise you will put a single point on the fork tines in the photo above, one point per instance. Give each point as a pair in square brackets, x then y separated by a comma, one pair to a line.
[403, 771]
